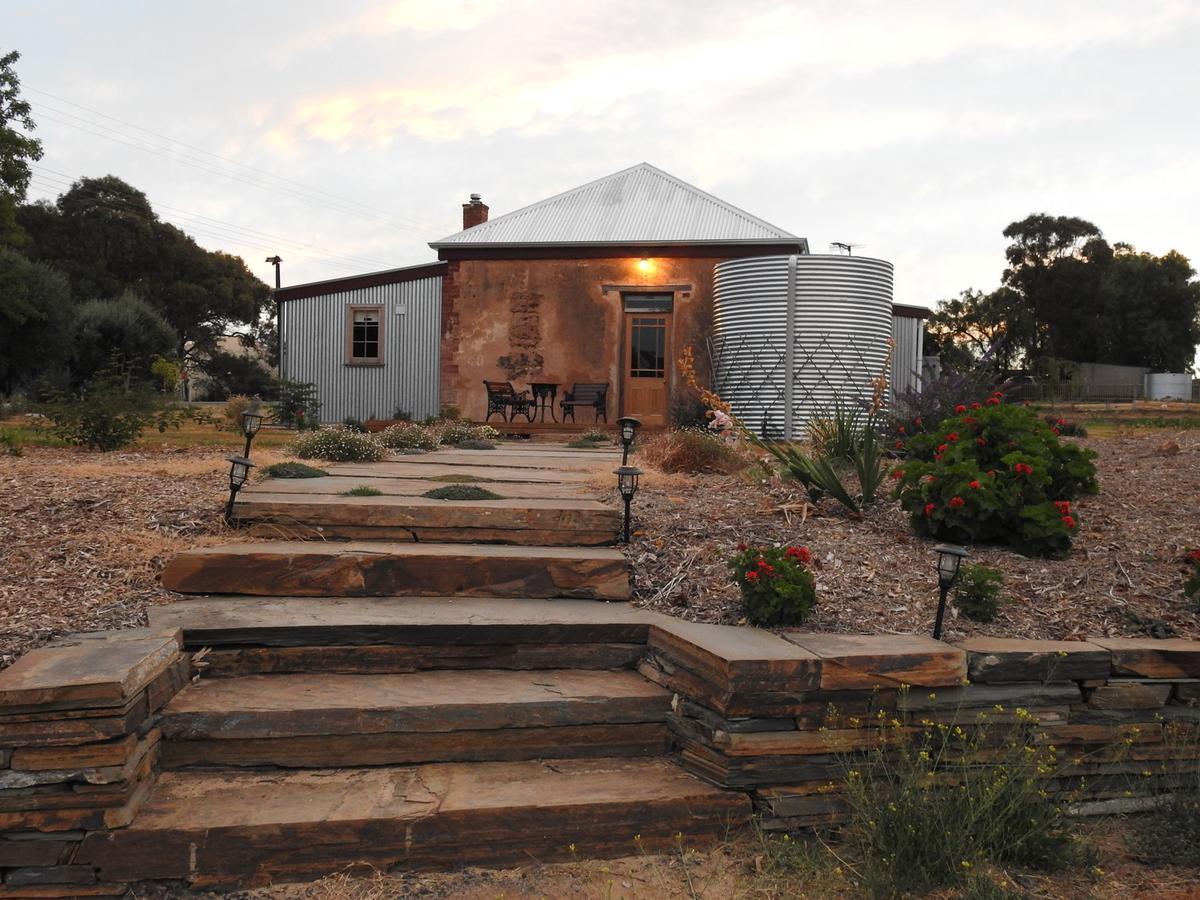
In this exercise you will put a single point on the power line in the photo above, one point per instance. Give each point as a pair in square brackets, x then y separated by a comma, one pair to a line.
[184, 159]
[45, 183]
[225, 159]
[252, 231]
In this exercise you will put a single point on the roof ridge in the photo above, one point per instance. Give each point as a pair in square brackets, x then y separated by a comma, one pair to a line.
[773, 232]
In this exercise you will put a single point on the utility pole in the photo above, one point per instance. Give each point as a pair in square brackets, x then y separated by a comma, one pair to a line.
[275, 261]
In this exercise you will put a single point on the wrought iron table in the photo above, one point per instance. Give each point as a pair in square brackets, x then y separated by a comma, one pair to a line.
[544, 393]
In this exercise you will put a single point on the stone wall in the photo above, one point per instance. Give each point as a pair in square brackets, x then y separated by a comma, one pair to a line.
[79, 751]
[784, 725]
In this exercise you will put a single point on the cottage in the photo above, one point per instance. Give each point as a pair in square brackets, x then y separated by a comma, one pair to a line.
[602, 285]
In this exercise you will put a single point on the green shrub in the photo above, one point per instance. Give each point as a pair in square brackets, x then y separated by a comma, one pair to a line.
[234, 407]
[298, 405]
[997, 473]
[926, 811]
[293, 470]
[777, 586]
[1191, 585]
[596, 436]
[461, 492]
[458, 479]
[1064, 427]
[111, 411]
[9, 442]
[400, 414]
[336, 444]
[455, 432]
[409, 436]
[363, 490]
[351, 423]
[977, 592]
[837, 432]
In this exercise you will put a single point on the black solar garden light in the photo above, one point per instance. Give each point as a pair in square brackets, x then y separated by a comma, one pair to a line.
[251, 422]
[239, 471]
[629, 427]
[627, 484]
[950, 557]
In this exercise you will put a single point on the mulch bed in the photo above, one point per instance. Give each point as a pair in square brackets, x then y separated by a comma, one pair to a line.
[83, 536]
[1123, 576]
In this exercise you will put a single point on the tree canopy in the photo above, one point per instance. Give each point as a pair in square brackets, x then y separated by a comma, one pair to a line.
[1068, 294]
[17, 148]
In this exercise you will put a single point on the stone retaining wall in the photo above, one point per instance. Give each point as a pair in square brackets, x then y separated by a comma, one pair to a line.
[1104, 709]
[79, 751]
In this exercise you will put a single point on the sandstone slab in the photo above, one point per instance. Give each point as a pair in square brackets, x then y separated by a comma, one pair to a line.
[863, 662]
[1150, 658]
[1004, 660]
[381, 569]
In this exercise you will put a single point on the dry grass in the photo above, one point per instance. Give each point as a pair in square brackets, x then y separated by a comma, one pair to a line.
[691, 451]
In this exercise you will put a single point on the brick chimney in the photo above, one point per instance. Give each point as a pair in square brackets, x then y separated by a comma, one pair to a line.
[474, 213]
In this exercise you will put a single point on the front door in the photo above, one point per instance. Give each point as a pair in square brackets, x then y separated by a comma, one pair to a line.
[647, 350]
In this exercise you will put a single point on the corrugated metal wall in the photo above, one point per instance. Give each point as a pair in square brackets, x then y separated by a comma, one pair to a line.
[908, 354]
[794, 335]
[314, 348]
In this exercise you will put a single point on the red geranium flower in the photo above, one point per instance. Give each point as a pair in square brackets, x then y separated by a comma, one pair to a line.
[942, 448]
[917, 421]
[799, 553]
[974, 484]
[1055, 431]
[1060, 421]
[752, 576]
[899, 445]
[897, 473]
[952, 436]
[976, 406]
[981, 442]
[742, 547]
[929, 508]
[993, 401]
[1063, 506]
[1023, 469]
[960, 408]
[956, 502]
[991, 473]
[1068, 521]
[1195, 555]
[902, 431]
[970, 420]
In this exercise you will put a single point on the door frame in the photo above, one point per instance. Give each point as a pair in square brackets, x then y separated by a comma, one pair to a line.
[666, 291]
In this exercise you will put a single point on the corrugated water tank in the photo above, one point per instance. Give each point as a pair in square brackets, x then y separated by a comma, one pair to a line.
[794, 334]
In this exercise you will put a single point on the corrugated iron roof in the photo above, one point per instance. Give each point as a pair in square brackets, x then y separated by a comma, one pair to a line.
[638, 205]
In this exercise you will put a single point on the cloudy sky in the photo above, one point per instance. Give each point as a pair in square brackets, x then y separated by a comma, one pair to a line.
[344, 136]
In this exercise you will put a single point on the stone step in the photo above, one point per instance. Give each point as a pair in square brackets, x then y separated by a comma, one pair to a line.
[230, 829]
[386, 568]
[419, 624]
[417, 467]
[307, 720]
[415, 487]
[534, 522]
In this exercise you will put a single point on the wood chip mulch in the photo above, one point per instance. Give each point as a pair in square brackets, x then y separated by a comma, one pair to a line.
[83, 536]
[1124, 575]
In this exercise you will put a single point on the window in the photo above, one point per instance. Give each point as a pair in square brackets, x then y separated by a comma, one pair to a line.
[364, 336]
[647, 347]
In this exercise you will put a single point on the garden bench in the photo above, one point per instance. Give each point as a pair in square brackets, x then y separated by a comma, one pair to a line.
[503, 398]
[593, 395]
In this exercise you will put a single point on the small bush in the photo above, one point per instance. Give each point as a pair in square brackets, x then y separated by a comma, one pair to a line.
[232, 411]
[298, 406]
[977, 592]
[472, 444]
[777, 586]
[409, 436]
[293, 470]
[928, 810]
[461, 492]
[111, 411]
[455, 432]
[363, 490]
[400, 414]
[457, 479]
[9, 443]
[596, 436]
[1062, 426]
[350, 423]
[690, 450]
[1191, 585]
[996, 473]
[336, 444]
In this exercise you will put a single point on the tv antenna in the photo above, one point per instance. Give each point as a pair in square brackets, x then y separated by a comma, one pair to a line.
[848, 249]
